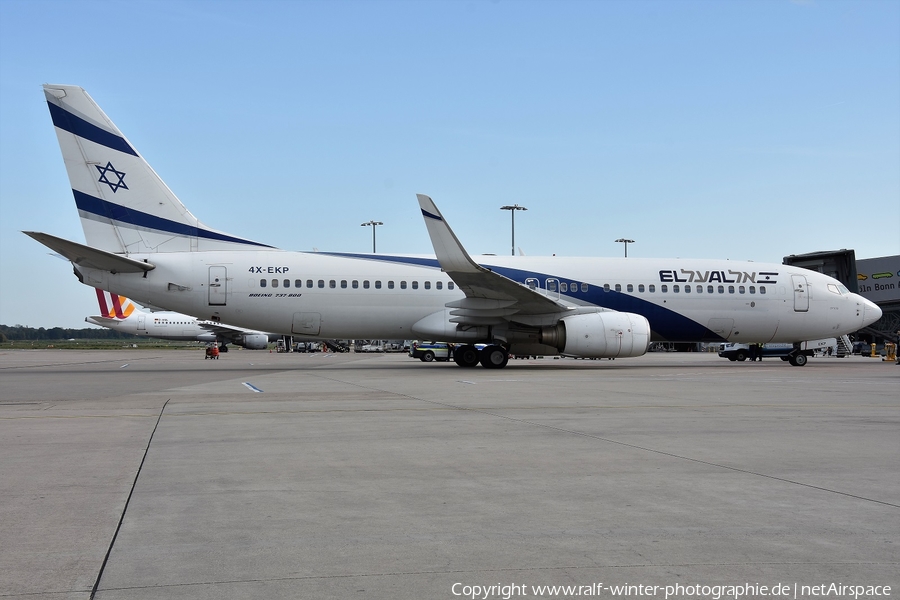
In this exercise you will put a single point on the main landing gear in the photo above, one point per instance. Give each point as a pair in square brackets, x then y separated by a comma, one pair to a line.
[493, 356]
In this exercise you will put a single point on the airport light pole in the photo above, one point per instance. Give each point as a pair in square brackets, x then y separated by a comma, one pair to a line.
[373, 225]
[626, 242]
[512, 211]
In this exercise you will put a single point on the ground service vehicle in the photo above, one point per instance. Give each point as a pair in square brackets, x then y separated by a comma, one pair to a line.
[797, 354]
[430, 351]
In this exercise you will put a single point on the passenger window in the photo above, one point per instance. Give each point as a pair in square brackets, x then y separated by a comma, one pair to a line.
[630, 288]
[663, 288]
[438, 284]
[752, 289]
[687, 289]
[741, 289]
[641, 288]
[551, 285]
[618, 287]
[298, 283]
[321, 284]
[762, 289]
[584, 287]
[450, 285]
[274, 283]
[605, 287]
[730, 289]
[427, 285]
[355, 284]
[332, 283]
[415, 285]
[563, 287]
[709, 289]
[652, 288]
[365, 284]
[309, 283]
[675, 289]
[287, 283]
[721, 289]
[262, 283]
[402, 285]
[390, 285]
[377, 284]
[343, 284]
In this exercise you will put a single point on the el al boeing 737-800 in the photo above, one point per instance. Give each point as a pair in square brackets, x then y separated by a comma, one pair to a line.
[143, 243]
[120, 314]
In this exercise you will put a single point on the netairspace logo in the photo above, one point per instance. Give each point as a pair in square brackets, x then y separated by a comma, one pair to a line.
[712, 592]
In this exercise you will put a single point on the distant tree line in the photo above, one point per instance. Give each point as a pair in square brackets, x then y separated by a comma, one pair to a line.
[21, 332]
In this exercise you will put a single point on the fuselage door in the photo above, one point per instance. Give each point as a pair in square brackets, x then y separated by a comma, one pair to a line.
[142, 325]
[553, 288]
[306, 323]
[721, 327]
[801, 293]
[218, 286]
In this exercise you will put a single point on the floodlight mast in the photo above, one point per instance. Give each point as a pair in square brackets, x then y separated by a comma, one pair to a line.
[626, 242]
[512, 211]
[373, 225]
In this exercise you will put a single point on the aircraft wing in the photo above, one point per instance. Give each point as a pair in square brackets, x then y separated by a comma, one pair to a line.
[220, 329]
[92, 258]
[489, 295]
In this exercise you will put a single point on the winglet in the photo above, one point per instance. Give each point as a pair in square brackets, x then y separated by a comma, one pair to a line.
[449, 251]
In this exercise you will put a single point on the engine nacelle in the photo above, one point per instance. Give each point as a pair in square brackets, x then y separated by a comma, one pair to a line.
[600, 335]
[254, 341]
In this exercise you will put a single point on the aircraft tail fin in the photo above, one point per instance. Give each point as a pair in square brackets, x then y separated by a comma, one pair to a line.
[125, 207]
[113, 306]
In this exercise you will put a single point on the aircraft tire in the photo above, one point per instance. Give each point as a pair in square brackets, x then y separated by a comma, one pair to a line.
[494, 357]
[466, 356]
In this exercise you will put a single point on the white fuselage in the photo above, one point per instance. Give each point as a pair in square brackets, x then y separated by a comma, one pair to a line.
[321, 295]
[163, 325]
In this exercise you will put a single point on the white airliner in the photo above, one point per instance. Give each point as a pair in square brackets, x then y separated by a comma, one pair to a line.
[144, 244]
[120, 314]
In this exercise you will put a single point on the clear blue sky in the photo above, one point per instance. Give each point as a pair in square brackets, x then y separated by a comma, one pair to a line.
[743, 130]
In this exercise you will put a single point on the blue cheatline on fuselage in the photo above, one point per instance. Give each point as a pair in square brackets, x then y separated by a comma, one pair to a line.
[95, 208]
[665, 323]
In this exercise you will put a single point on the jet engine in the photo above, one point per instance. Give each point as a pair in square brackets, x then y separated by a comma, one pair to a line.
[600, 335]
[254, 341]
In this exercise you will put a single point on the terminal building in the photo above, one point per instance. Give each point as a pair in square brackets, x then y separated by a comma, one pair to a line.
[876, 279]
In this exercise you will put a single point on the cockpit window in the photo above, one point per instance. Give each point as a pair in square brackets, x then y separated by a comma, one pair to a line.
[838, 288]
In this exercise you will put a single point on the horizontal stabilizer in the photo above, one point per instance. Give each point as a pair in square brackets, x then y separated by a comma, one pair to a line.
[92, 258]
[102, 321]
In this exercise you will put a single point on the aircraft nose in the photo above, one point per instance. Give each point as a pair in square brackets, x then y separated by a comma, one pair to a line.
[871, 312]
